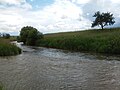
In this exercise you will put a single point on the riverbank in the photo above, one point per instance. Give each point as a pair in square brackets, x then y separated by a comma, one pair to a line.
[98, 41]
[8, 49]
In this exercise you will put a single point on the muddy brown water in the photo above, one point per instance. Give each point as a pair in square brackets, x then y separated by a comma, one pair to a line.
[53, 69]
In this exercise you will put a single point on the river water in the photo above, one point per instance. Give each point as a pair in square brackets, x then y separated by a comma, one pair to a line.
[53, 69]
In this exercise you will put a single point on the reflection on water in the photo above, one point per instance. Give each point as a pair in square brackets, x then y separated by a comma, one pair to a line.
[51, 69]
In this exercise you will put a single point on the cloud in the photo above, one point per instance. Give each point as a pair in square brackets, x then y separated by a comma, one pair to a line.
[115, 1]
[61, 15]
[15, 2]
[80, 1]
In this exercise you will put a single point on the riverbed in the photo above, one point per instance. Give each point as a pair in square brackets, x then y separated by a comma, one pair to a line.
[39, 68]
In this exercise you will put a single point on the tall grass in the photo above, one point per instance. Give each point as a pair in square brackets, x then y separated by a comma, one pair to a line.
[1, 88]
[7, 49]
[100, 41]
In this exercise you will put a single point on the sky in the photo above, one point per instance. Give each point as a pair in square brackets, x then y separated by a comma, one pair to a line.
[51, 16]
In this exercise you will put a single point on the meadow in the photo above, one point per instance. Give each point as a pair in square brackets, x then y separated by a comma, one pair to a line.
[8, 49]
[97, 40]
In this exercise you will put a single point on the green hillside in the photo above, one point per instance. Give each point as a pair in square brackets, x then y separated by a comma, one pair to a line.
[97, 40]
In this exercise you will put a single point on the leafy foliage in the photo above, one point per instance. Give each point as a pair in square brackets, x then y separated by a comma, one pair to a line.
[103, 19]
[30, 35]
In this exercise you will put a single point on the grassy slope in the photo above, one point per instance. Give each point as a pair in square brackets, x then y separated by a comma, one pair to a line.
[101, 41]
[7, 49]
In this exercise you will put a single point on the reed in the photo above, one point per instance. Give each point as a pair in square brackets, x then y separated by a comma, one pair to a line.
[97, 40]
[8, 49]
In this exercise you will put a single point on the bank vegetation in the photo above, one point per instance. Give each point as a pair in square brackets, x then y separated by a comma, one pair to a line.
[97, 40]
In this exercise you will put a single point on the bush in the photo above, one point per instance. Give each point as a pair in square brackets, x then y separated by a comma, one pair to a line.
[30, 35]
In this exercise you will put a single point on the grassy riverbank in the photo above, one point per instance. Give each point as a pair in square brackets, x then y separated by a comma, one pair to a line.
[1, 88]
[7, 49]
[100, 41]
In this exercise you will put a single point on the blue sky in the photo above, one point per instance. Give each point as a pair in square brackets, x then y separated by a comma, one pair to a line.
[51, 16]
[39, 4]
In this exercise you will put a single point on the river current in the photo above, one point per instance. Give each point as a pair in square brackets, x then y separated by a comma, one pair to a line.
[39, 68]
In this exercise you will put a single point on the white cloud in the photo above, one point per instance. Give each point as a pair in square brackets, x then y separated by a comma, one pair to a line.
[116, 1]
[62, 15]
[80, 1]
[16, 2]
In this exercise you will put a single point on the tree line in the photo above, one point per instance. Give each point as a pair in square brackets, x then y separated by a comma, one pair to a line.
[5, 35]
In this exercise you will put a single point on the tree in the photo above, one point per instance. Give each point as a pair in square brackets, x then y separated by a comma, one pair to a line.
[103, 19]
[6, 35]
[24, 33]
[30, 35]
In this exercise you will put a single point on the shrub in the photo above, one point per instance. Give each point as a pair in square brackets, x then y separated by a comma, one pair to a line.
[30, 35]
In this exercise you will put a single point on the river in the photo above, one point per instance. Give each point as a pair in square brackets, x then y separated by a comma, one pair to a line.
[54, 69]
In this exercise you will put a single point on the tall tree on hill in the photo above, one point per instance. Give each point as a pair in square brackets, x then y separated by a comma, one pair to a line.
[103, 19]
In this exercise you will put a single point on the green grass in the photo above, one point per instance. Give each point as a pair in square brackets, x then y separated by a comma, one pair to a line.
[7, 49]
[99, 41]
[1, 88]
